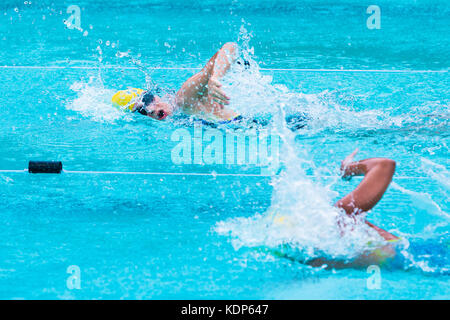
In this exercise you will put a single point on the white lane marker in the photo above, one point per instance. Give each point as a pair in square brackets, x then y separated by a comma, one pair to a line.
[167, 173]
[212, 174]
[263, 69]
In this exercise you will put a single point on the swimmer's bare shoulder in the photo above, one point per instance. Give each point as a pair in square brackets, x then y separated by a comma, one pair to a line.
[202, 92]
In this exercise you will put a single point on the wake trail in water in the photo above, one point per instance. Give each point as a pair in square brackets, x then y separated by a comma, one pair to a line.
[94, 101]
[301, 220]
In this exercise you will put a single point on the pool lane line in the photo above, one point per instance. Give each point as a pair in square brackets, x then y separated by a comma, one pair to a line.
[149, 173]
[263, 69]
[211, 174]
[357, 70]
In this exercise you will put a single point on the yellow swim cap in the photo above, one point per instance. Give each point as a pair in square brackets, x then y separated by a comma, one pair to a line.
[125, 99]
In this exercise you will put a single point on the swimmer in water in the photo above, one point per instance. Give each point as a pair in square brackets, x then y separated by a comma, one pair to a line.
[378, 173]
[201, 94]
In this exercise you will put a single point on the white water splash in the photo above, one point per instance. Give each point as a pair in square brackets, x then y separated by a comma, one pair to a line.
[94, 102]
[301, 216]
[254, 95]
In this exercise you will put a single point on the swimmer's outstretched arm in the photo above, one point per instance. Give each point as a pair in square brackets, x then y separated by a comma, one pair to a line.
[205, 83]
[378, 173]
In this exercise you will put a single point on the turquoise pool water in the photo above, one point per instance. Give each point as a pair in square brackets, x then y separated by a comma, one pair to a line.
[197, 236]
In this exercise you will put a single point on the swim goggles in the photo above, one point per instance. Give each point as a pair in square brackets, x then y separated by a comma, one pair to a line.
[147, 99]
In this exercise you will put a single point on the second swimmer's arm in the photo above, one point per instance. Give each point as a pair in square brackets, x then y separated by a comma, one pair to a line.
[377, 173]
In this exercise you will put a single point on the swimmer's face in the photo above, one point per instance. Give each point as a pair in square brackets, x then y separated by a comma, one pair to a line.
[158, 109]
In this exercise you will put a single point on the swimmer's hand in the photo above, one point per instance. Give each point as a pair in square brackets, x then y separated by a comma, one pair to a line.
[216, 93]
[348, 174]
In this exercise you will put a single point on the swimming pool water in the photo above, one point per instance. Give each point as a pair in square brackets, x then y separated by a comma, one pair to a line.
[155, 236]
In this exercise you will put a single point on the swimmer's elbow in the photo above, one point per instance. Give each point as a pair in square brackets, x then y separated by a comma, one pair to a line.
[388, 164]
[230, 45]
[230, 48]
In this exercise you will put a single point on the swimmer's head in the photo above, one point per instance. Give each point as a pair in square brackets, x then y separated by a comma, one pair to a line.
[153, 106]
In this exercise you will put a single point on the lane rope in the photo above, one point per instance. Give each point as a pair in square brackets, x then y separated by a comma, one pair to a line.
[212, 174]
[192, 68]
